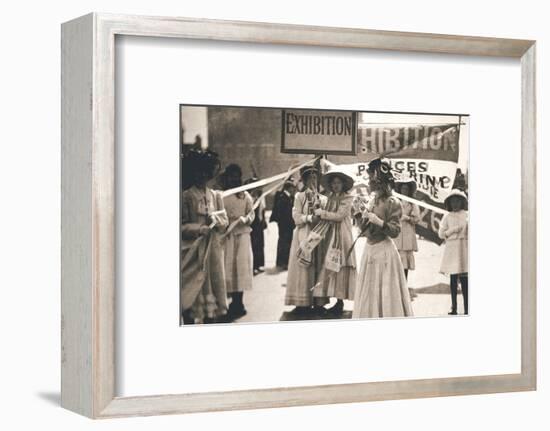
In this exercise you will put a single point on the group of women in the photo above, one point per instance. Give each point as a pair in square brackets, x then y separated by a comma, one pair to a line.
[216, 264]
[380, 288]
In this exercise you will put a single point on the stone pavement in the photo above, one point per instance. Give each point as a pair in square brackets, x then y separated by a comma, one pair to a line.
[265, 302]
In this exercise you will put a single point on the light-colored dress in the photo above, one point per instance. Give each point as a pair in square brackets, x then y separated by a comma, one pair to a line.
[454, 230]
[238, 245]
[202, 288]
[341, 284]
[406, 240]
[301, 279]
[382, 288]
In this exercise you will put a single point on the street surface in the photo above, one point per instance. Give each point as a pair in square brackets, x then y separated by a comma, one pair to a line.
[265, 302]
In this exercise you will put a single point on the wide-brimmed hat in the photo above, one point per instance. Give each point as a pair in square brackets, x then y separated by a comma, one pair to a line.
[458, 193]
[410, 182]
[346, 179]
[308, 170]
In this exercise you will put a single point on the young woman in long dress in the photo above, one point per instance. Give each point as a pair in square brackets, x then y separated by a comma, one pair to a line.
[301, 279]
[338, 284]
[203, 296]
[381, 289]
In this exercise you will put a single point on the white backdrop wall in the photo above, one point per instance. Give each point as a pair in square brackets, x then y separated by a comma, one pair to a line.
[29, 236]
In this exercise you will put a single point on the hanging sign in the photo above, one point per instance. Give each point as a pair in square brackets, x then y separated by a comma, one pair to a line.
[318, 132]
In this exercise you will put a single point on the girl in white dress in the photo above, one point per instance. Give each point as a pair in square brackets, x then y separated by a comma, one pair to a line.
[454, 230]
[406, 240]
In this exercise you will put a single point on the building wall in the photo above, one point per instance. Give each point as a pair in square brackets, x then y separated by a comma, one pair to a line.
[251, 137]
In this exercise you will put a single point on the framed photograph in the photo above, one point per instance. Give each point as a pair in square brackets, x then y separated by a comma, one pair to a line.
[237, 234]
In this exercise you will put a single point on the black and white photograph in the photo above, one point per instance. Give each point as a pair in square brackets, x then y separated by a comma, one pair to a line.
[259, 216]
[293, 214]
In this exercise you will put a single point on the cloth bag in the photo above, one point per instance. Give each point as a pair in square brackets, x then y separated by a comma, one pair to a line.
[333, 259]
[307, 246]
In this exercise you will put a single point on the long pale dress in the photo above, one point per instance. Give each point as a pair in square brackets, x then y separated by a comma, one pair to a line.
[202, 288]
[406, 240]
[341, 284]
[301, 279]
[238, 245]
[382, 289]
[454, 230]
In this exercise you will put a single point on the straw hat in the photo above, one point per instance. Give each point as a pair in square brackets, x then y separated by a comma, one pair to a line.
[458, 193]
[346, 180]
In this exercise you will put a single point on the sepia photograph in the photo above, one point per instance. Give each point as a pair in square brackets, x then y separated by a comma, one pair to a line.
[290, 214]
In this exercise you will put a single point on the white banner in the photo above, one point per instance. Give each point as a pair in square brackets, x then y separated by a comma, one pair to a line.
[434, 178]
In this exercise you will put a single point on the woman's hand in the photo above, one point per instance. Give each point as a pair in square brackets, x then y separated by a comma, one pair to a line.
[318, 212]
[374, 219]
[204, 230]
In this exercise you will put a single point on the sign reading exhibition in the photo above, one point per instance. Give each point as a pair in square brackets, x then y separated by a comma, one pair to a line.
[318, 132]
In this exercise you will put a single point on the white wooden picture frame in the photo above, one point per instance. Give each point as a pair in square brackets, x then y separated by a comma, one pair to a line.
[88, 214]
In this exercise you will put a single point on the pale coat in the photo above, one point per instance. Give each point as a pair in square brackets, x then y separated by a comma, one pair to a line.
[454, 230]
[406, 240]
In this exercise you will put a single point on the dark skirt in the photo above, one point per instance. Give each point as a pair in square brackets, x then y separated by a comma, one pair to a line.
[257, 238]
[283, 246]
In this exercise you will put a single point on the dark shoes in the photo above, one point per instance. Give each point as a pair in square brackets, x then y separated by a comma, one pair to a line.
[301, 310]
[257, 271]
[236, 312]
[337, 309]
[224, 318]
[319, 311]
[187, 318]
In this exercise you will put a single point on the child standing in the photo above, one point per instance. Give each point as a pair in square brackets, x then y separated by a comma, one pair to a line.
[406, 240]
[238, 247]
[454, 230]
[337, 281]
